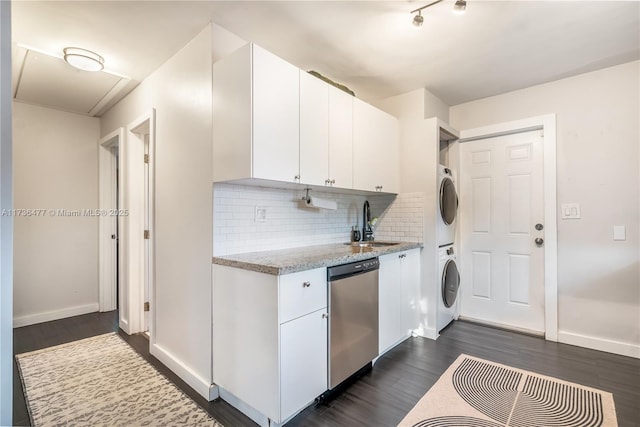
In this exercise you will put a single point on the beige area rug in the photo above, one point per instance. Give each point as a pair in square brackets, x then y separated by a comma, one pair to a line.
[477, 393]
[102, 381]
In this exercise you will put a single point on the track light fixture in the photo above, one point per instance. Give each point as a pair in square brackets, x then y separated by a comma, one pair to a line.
[458, 8]
[418, 19]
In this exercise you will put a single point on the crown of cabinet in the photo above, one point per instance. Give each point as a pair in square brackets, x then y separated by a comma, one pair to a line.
[275, 122]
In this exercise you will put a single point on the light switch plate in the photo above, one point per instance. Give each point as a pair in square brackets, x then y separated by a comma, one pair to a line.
[619, 232]
[570, 211]
[261, 214]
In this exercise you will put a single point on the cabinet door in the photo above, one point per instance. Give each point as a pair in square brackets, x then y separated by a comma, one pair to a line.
[375, 145]
[340, 138]
[314, 130]
[390, 302]
[410, 266]
[303, 362]
[388, 149]
[276, 118]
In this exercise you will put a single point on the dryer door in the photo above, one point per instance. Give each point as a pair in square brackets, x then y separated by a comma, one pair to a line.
[450, 283]
[448, 201]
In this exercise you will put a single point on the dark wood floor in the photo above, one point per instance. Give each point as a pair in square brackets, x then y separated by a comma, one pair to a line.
[397, 381]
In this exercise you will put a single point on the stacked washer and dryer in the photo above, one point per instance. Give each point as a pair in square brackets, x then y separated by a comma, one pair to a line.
[447, 307]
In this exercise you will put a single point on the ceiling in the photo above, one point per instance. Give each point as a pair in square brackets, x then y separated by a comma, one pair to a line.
[370, 46]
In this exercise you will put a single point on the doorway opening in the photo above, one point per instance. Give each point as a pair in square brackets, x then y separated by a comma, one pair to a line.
[127, 223]
[109, 224]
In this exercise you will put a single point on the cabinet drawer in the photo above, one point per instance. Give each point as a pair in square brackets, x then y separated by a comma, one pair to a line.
[302, 293]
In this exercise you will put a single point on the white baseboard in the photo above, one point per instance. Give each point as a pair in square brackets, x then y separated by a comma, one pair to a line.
[616, 347]
[195, 381]
[429, 333]
[124, 325]
[214, 392]
[32, 319]
[255, 415]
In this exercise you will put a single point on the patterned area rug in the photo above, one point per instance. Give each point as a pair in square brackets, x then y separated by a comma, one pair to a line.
[477, 393]
[102, 381]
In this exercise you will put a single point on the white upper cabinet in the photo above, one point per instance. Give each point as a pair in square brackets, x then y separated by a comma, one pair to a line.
[276, 111]
[375, 149]
[326, 134]
[273, 121]
[314, 130]
[256, 117]
[340, 138]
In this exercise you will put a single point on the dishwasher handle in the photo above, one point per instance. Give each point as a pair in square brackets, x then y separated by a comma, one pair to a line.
[352, 269]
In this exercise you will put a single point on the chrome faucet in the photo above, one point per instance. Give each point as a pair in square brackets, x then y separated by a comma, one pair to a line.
[367, 232]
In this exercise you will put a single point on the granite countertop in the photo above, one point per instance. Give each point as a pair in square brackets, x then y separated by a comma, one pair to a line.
[285, 261]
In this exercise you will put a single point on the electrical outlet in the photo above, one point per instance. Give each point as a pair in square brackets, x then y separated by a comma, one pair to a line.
[261, 214]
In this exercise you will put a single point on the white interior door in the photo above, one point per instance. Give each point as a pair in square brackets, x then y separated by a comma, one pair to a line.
[501, 204]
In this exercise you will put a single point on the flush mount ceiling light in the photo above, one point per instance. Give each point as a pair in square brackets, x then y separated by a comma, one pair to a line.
[458, 8]
[83, 59]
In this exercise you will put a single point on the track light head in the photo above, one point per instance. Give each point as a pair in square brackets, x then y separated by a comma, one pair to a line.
[460, 7]
[418, 20]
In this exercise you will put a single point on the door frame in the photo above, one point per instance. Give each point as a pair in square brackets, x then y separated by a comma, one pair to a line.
[546, 123]
[107, 192]
[133, 197]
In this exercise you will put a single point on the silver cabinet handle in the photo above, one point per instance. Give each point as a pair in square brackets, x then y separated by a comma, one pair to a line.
[333, 181]
[306, 284]
[402, 256]
[296, 178]
[327, 181]
[325, 315]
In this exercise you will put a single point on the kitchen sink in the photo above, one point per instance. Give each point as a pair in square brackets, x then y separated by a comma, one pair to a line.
[372, 244]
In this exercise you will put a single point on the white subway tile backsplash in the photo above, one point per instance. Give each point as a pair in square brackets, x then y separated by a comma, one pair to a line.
[291, 224]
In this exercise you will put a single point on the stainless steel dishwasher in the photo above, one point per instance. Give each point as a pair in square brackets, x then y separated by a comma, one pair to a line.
[353, 318]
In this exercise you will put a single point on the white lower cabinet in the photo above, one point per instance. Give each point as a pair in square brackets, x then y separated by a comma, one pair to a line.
[389, 302]
[303, 361]
[398, 297]
[269, 340]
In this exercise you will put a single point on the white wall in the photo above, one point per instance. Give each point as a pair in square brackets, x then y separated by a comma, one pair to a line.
[180, 91]
[290, 224]
[597, 166]
[224, 42]
[55, 256]
[6, 222]
[417, 104]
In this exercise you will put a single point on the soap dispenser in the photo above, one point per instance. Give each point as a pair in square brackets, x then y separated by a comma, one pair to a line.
[355, 234]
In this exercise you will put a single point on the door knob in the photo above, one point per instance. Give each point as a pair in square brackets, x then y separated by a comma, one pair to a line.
[539, 241]
[539, 227]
